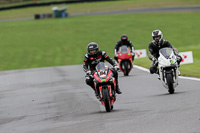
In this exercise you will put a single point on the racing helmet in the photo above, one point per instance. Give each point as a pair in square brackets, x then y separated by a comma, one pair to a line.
[157, 33]
[91, 47]
[124, 37]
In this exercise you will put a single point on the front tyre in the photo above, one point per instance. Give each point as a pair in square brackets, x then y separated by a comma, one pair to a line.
[126, 69]
[170, 82]
[106, 100]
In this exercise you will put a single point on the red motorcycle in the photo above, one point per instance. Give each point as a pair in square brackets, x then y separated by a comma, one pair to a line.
[105, 85]
[125, 60]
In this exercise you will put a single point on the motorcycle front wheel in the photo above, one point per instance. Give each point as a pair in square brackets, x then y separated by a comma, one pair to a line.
[106, 100]
[126, 69]
[170, 82]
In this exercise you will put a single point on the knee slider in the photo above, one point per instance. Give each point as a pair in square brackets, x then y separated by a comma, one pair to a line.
[152, 70]
[88, 82]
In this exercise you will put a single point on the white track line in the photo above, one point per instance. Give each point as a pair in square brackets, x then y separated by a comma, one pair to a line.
[182, 77]
[141, 68]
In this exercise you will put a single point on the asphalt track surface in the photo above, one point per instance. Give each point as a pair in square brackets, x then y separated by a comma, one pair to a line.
[143, 10]
[57, 100]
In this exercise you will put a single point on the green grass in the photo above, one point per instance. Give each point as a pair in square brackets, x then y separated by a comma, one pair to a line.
[55, 42]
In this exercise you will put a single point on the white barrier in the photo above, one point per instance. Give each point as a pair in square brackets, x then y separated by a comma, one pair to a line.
[187, 57]
[140, 53]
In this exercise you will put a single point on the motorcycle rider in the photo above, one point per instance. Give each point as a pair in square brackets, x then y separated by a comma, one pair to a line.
[124, 41]
[154, 47]
[92, 58]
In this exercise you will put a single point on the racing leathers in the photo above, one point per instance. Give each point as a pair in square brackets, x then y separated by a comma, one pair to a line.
[90, 62]
[121, 43]
[154, 54]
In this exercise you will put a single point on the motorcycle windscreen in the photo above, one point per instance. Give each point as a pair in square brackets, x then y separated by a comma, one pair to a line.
[100, 66]
[166, 52]
[123, 49]
[101, 70]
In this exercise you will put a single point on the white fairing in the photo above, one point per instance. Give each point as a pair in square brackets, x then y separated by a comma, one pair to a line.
[167, 60]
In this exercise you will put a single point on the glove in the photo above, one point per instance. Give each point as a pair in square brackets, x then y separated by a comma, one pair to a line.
[116, 55]
[155, 61]
[133, 53]
[115, 66]
[88, 72]
[179, 58]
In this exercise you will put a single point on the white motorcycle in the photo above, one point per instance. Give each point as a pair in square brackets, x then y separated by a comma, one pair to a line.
[168, 69]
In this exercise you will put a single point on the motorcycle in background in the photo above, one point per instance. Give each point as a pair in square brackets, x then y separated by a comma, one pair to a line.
[168, 69]
[125, 60]
[105, 85]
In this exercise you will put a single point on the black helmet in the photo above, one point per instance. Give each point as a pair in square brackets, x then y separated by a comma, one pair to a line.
[92, 46]
[157, 33]
[124, 37]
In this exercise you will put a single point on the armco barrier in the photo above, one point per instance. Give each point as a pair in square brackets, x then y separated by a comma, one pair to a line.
[43, 16]
[140, 53]
[187, 57]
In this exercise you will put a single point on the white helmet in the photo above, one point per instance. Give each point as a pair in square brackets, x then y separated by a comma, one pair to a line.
[157, 33]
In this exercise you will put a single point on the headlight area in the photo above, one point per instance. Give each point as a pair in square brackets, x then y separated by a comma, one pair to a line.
[110, 81]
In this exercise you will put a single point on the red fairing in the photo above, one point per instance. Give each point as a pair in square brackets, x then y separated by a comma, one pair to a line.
[96, 77]
[124, 56]
[114, 82]
[95, 86]
[109, 89]
[109, 75]
[113, 100]
[100, 87]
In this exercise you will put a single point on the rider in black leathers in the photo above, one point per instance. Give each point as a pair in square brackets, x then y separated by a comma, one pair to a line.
[124, 41]
[92, 58]
[154, 47]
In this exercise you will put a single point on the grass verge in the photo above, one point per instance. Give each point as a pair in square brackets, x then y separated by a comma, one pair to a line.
[55, 42]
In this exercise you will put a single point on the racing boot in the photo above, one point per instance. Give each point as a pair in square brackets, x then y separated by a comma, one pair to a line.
[157, 72]
[118, 90]
[158, 76]
[116, 78]
[96, 93]
[179, 73]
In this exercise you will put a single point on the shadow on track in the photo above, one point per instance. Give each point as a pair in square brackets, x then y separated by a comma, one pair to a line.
[167, 94]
